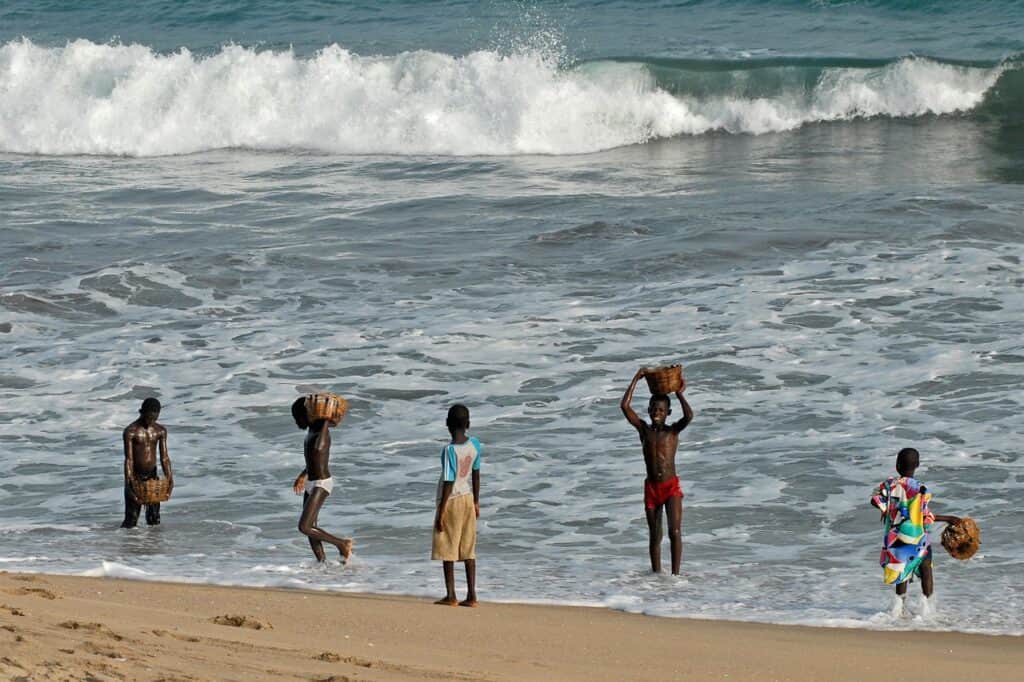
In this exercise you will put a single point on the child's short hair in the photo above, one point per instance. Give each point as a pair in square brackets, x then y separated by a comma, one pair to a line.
[458, 417]
[149, 405]
[299, 413]
[907, 461]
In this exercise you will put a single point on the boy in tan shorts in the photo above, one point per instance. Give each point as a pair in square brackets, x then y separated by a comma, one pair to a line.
[458, 507]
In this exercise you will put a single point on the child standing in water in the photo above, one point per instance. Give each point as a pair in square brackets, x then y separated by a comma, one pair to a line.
[906, 548]
[458, 507]
[315, 483]
[661, 489]
[142, 439]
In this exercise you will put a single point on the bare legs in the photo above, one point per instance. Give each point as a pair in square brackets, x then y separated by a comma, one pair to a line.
[927, 580]
[470, 599]
[654, 526]
[449, 599]
[674, 511]
[317, 536]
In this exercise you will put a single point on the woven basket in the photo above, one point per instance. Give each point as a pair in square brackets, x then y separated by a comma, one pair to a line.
[665, 380]
[153, 491]
[962, 538]
[326, 406]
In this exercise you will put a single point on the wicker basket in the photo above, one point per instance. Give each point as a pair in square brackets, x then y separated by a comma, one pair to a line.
[962, 538]
[665, 380]
[153, 491]
[326, 406]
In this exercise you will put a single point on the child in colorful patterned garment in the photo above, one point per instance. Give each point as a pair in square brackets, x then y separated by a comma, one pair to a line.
[458, 507]
[906, 549]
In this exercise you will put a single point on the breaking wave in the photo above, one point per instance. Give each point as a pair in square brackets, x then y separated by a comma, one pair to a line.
[112, 99]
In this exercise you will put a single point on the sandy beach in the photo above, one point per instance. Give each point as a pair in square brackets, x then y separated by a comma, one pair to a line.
[71, 628]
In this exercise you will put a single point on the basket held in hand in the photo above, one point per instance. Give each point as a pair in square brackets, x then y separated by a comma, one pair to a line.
[153, 491]
[326, 406]
[962, 538]
[665, 380]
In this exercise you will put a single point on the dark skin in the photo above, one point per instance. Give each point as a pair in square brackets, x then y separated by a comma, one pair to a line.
[660, 442]
[317, 451]
[927, 579]
[143, 439]
[450, 599]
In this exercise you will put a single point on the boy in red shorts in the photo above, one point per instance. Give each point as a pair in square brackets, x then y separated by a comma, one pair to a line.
[661, 489]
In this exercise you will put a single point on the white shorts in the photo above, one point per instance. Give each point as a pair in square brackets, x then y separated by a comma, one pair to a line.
[325, 483]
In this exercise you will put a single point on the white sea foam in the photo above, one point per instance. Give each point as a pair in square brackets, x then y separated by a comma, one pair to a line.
[88, 98]
[30, 527]
[809, 367]
[112, 569]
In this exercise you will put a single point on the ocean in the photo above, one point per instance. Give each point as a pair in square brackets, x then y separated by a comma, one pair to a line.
[816, 207]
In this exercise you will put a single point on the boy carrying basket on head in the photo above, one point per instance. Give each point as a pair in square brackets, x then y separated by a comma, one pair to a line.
[315, 483]
[660, 440]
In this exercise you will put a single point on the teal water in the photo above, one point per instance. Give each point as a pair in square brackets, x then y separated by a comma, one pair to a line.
[586, 30]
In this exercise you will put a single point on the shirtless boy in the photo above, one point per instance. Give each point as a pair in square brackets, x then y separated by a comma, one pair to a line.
[314, 483]
[661, 489]
[142, 438]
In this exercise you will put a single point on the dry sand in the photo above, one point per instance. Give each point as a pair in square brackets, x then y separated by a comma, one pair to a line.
[68, 628]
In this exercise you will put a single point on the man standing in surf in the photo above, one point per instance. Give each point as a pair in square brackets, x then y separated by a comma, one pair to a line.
[142, 438]
[661, 489]
[315, 483]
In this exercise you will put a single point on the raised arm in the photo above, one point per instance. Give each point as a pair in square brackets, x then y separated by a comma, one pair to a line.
[627, 399]
[681, 424]
[946, 518]
[323, 441]
[165, 461]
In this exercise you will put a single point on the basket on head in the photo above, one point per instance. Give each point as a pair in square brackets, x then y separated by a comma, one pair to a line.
[153, 491]
[962, 538]
[326, 406]
[665, 380]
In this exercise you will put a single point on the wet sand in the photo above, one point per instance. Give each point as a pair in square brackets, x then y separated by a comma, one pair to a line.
[70, 628]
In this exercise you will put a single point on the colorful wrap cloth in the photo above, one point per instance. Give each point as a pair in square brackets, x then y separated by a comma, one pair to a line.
[905, 545]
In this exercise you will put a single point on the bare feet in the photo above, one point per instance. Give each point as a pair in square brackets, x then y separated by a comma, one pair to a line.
[447, 601]
[471, 602]
[345, 549]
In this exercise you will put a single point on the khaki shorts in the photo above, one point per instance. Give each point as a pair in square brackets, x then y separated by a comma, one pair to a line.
[458, 541]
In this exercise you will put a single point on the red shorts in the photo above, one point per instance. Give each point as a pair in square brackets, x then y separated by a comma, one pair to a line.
[657, 494]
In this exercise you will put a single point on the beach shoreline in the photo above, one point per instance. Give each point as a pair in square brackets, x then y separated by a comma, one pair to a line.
[69, 627]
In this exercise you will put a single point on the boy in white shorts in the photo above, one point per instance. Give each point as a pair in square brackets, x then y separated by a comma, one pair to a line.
[315, 483]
